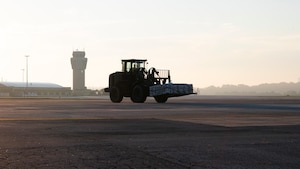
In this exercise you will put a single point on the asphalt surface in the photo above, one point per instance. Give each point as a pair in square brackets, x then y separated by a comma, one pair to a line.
[186, 132]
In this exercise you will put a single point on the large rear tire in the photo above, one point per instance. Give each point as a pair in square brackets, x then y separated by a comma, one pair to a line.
[116, 95]
[138, 94]
[161, 98]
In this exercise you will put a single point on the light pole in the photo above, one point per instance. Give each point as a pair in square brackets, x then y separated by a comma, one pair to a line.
[26, 74]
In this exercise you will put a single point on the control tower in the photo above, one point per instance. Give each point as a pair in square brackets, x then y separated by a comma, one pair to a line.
[79, 62]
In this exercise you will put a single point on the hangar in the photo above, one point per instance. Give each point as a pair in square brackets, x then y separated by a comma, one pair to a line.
[22, 89]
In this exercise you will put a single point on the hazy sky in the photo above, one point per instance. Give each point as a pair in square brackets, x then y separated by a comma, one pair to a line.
[202, 42]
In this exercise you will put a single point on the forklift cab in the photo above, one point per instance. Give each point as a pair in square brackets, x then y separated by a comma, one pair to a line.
[133, 64]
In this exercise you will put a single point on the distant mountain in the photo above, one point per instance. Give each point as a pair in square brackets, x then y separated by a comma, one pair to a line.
[267, 89]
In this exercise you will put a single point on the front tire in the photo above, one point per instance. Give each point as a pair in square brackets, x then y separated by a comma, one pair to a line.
[138, 94]
[116, 95]
[161, 98]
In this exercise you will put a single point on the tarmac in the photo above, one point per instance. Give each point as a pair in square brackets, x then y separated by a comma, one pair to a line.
[186, 132]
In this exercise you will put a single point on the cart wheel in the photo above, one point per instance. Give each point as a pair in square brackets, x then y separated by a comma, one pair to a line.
[161, 98]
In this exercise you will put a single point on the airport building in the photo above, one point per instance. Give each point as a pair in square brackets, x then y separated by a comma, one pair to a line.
[22, 89]
[79, 62]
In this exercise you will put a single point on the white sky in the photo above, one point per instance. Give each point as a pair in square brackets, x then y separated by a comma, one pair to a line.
[202, 42]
